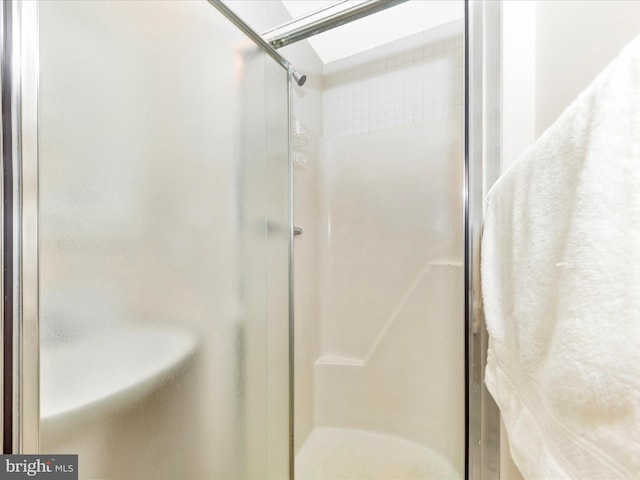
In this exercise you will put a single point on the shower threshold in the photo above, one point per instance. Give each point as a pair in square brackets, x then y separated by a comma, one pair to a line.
[344, 453]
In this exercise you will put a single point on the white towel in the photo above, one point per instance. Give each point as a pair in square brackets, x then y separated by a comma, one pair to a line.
[561, 288]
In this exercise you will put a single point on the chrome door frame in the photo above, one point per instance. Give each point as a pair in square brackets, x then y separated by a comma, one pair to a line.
[20, 365]
[483, 99]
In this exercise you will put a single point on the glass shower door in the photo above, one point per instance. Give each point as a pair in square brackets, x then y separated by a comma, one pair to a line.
[164, 243]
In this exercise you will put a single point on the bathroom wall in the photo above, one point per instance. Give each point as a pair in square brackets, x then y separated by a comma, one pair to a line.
[540, 41]
[574, 42]
[518, 78]
[391, 256]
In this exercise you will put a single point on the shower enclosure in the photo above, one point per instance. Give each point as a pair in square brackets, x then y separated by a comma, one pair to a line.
[149, 151]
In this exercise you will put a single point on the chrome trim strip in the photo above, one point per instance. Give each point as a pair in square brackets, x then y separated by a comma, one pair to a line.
[482, 163]
[11, 97]
[247, 30]
[308, 25]
[492, 141]
[468, 334]
[291, 287]
[305, 16]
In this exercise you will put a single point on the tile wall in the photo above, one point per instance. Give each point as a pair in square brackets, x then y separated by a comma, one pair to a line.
[412, 80]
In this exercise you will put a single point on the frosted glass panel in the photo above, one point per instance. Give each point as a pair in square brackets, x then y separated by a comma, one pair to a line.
[164, 243]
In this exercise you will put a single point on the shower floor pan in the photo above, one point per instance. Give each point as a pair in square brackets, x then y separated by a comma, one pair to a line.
[83, 379]
[349, 454]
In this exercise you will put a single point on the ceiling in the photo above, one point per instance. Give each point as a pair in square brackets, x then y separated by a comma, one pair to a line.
[383, 27]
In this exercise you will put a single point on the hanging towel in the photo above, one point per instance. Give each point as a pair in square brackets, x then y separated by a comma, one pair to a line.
[561, 288]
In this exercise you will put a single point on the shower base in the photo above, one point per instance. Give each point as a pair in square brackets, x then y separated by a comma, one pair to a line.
[349, 454]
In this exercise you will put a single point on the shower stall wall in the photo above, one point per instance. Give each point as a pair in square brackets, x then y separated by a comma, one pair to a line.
[391, 300]
[148, 178]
